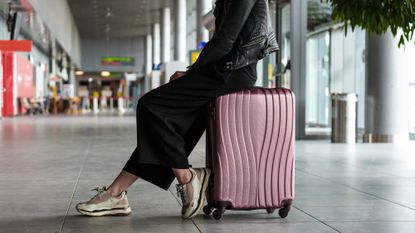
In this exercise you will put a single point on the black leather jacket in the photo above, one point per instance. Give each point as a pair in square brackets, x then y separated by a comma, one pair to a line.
[243, 35]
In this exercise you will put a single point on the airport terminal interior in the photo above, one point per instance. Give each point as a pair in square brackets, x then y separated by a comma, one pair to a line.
[72, 72]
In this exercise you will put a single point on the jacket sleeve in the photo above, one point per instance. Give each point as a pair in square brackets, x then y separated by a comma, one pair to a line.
[225, 36]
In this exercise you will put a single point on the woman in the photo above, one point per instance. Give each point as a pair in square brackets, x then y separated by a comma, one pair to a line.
[172, 118]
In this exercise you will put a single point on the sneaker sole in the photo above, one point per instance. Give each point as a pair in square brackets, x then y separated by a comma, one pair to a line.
[202, 193]
[110, 212]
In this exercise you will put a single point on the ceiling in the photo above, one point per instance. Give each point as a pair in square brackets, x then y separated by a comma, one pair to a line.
[113, 19]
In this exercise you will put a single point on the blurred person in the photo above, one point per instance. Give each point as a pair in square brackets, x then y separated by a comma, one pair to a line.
[26, 105]
[46, 105]
[37, 107]
[172, 118]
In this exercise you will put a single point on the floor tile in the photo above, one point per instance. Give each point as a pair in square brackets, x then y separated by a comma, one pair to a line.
[48, 164]
[374, 227]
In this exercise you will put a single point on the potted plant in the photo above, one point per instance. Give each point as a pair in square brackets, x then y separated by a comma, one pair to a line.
[388, 67]
[377, 16]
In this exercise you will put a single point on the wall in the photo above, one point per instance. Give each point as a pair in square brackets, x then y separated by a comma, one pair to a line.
[94, 49]
[58, 18]
[37, 55]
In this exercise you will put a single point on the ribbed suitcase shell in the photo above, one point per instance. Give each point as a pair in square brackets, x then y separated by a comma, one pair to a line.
[250, 150]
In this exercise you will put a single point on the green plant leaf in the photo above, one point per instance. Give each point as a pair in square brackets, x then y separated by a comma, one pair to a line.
[377, 16]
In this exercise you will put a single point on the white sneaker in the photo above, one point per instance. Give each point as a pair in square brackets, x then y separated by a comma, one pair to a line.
[104, 204]
[193, 193]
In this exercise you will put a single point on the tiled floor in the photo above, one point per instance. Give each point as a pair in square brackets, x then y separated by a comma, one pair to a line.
[48, 164]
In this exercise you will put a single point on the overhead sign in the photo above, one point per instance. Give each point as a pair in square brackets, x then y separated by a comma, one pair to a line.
[117, 61]
[114, 75]
[16, 45]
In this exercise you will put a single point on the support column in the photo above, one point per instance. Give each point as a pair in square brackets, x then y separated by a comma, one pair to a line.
[53, 68]
[203, 7]
[72, 79]
[149, 62]
[165, 35]
[386, 112]
[156, 44]
[180, 30]
[298, 63]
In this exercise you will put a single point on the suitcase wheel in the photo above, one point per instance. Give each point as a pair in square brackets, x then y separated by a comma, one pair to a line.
[270, 211]
[207, 209]
[284, 212]
[217, 214]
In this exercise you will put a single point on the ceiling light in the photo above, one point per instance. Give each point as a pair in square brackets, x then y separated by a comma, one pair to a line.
[90, 80]
[105, 74]
[79, 72]
[108, 12]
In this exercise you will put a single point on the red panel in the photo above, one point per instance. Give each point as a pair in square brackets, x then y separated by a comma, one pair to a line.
[24, 72]
[8, 108]
[16, 45]
[26, 5]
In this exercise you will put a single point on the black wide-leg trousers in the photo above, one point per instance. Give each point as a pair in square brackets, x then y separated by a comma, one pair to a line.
[172, 118]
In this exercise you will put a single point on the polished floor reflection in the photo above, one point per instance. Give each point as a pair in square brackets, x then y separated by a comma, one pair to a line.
[48, 164]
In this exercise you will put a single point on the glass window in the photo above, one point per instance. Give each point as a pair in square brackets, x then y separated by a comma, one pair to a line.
[411, 106]
[317, 84]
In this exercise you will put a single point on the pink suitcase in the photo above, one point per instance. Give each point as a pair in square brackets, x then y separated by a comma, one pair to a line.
[250, 150]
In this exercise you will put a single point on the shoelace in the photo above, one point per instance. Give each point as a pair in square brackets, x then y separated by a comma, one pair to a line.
[100, 191]
[181, 193]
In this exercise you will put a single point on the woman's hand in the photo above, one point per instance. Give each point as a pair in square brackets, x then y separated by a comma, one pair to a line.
[177, 75]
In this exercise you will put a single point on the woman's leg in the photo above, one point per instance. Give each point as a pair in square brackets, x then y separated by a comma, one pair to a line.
[123, 181]
[183, 176]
